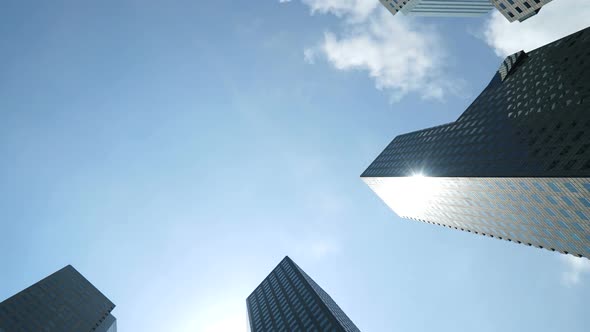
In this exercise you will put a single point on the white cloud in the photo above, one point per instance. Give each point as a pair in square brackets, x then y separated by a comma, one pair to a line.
[557, 19]
[309, 56]
[283, 1]
[399, 55]
[352, 9]
[576, 269]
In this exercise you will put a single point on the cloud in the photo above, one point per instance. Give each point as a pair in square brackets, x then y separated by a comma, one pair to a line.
[400, 55]
[309, 56]
[352, 9]
[576, 268]
[557, 19]
[283, 1]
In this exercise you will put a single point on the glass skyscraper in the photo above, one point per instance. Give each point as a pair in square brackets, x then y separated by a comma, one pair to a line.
[519, 9]
[511, 9]
[62, 302]
[515, 165]
[289, 300]
[451, 8]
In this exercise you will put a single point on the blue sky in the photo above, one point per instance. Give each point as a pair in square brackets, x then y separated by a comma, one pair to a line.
[175, 152]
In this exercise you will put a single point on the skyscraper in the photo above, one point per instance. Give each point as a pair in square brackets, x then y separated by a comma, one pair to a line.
[519, 9]
[450, 8]
[62, 302]
[511, 9]
[289, 300]
[515, 165]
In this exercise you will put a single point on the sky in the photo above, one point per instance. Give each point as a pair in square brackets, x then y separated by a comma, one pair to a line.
[174, 152]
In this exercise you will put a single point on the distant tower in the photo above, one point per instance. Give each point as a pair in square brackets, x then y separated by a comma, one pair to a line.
[62, 302]
[289, 300]
[511, 9]
[515, 165]
[450, 8]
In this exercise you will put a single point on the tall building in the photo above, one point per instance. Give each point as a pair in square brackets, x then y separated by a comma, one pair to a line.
[515, 165]
[511, 9]
[519, 9]
[62, 302]
[450, 8]
[289, 300]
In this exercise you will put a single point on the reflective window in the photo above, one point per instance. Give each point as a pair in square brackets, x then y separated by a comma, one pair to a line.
[554, 187]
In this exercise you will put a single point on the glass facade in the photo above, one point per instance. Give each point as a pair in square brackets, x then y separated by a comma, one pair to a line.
[62, 302]
[289, 300]
[515, 165]
[511, 9]
[519, 9]
[108, 325]
[455, 8]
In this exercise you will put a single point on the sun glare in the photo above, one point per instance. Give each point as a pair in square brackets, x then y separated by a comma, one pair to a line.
[410, 196]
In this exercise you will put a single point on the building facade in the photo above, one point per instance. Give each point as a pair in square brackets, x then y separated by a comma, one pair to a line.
[519, 9]
[450, 8]
[511, 9]
[289, 300]
[515, 165]
[62, 302]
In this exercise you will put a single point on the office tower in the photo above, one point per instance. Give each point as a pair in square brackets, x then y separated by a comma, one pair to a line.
[289, 300]
[450, 8]
[519, 9]
[511, 9]
[515, 165]
[62, 302]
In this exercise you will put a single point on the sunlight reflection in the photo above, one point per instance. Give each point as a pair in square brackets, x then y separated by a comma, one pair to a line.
[410, 196]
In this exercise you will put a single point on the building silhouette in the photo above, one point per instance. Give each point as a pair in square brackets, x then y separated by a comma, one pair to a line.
[62, 302]
[515, 165]
[289, 300]
[511, 9]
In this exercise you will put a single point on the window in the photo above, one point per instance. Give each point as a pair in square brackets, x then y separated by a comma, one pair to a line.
[584, 201]
[583, 149]
[526, 4]
[570, 187]
[570, 164]
[567, 200]
[565, 213]
[582, 215]
[550, 199]
[538, 200]
[550, 212]
[518, 9]
[540, 187]
[554, 187]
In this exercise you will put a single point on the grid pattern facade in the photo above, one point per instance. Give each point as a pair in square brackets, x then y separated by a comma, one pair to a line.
[550, 213]
[532, 125]
[289, 300]
[511, 62]
[62, 302]
[108, 325]
[456, 8]
[519, 9]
